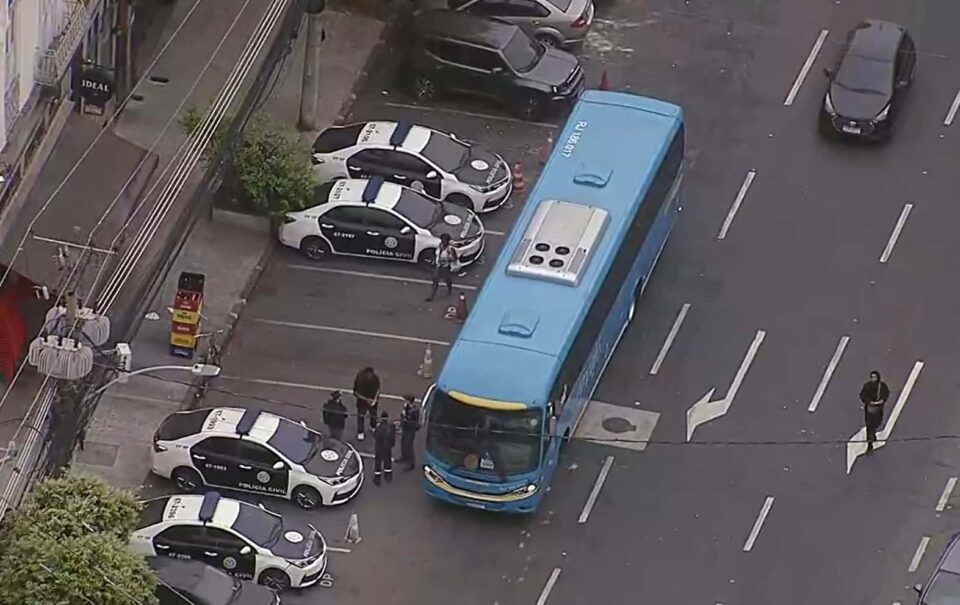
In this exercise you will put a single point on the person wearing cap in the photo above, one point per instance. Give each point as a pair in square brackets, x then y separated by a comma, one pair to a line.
[445, 261]
[384, 438]
[335, 415]
[409, 425]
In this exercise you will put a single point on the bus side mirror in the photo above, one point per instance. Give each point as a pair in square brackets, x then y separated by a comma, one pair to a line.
[553, 426]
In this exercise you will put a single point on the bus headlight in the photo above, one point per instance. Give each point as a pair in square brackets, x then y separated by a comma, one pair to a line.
[527, 490]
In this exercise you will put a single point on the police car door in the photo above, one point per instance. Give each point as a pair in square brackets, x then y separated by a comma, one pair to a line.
[412, 171]
[216, 459]
[262, 470]
[343, 228]
[367, 162]
[222, 549]
[178, 542]
[386, 236]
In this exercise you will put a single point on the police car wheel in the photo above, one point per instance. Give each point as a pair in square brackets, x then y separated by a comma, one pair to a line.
[314, 248]
[426, 259]
[187, 479]
[306, 497]
[460, 200]
[275, 579]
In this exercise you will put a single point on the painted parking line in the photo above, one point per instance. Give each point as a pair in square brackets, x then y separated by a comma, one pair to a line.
[345, 551]
[351, 331]
[674, 330]
[494, 232]
[827, 374]
[758, 524]
[918, 554]
[897, 229]
[367, 275]
[805, 69]
[595, 492]
[548, 588]
[947, 492]
[952, 112]
[744, 188]
[472, 114]
[299, 385]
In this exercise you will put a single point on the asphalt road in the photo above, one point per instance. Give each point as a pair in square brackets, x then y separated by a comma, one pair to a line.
[762, 508]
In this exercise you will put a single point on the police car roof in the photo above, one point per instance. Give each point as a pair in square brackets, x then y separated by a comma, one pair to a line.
[381, 134]
[187, 508]
[226, 421]
[351, 191]
[627, 135]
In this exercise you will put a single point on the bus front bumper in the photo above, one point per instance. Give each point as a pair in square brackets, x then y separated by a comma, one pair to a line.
[520, 501]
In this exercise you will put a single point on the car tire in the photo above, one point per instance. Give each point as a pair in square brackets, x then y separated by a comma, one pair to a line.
[426, 258]
[424, 88]
[275, 579]
[307, 497]
[315, 248]
[549, 40]
[187, 479]
[460, 200]
[531, 109]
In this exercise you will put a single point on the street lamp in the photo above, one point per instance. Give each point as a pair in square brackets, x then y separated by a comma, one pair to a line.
[201, 370]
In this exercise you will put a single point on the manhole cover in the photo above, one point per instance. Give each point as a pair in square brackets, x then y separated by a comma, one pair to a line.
[617, 425]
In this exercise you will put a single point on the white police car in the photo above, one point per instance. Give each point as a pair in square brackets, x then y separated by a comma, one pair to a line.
[245, 540]
[370, 217]
[441, 165]
[255, 451]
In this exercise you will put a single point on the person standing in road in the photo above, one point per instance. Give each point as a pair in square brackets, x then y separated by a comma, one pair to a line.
[445, 262]
[335, 415]
[366, 390]
[384, 438]
[409, 425]
[874, 394]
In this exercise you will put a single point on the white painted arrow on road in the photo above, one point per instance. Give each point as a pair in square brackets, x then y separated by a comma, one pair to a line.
[706, 410]
[857, 446]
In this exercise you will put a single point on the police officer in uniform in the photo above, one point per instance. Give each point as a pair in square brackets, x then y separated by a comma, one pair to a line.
[335, 415]
[409, 425]
[384, 438]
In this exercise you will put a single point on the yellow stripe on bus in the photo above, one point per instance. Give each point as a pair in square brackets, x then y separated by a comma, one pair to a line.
[490, 404]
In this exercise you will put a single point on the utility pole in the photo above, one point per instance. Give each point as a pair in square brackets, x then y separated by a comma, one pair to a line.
[310, 90]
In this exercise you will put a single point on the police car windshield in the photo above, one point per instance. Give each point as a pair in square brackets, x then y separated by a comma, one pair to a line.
[417, 208]
[295, 442]
[445, 152]
[258, 526]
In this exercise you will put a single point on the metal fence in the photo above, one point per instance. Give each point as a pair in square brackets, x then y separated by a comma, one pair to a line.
[57, 419]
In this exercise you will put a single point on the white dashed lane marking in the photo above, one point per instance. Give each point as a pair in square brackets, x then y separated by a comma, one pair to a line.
[670, 338]
[827, 374]
[805, 69]
[548, 588]
[918, 554]
[744, 188]
[897, 229]
[945, 496]
[952, 112]
[758, 524]
[595, 492]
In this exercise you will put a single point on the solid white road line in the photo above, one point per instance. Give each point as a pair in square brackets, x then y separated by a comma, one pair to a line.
[592, 499]
[545, 593]
[806, 68]
[947, 492]
[918, 554]
[896, 232]
[758, 524]
[412, 280]
[336, 330]
[827, 374]
[670, 336]
[952, 113]
[736, 203]
[472, 114]
[340, 550]
[299, 385]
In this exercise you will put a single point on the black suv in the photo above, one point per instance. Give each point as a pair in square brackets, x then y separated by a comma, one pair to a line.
[490, 58]
[875, 68]
[184, 582]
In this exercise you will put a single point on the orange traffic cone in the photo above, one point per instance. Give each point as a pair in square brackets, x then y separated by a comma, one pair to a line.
[518, 183]
[461, 307]
[604, 81]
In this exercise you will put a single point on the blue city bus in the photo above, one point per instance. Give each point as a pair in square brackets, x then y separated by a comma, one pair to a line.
[556, 303]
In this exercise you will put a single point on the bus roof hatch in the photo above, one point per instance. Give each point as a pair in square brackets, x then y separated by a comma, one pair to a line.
[559, 242]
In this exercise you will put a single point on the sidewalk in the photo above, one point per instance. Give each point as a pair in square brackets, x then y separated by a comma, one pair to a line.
[231, 256]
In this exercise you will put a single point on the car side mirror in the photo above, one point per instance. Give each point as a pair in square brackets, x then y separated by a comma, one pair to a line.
[828, 72]
[553, 426]
[405, 230]
[277, 465]
[246, 550]
[496, 70]
[432, 174]
[918, 588]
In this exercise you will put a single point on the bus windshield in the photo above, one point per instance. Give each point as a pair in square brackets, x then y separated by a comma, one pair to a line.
[477, 439]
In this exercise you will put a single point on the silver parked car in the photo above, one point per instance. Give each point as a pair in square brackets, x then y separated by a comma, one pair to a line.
[554, 22]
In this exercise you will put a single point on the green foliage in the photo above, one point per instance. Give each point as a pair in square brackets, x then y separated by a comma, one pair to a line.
[67, 545]
[191, 122]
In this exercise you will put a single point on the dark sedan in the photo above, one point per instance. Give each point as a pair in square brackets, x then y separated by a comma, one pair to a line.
[875, 68]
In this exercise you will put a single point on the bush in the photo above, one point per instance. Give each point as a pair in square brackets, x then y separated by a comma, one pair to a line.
[67, 545]
[271, 171]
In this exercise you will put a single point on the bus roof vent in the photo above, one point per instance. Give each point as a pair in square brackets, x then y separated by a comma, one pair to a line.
[559, 242]
[592, 176]
[519, 323]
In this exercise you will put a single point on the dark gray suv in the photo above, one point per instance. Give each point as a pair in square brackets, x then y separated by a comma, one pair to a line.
[489, 58]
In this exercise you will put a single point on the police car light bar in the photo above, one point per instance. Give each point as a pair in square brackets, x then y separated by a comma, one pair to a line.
[400, 133]
[245, 424]
[209, 506]
[371, 190]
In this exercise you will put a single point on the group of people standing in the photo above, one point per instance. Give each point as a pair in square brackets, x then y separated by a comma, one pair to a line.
[366, 393]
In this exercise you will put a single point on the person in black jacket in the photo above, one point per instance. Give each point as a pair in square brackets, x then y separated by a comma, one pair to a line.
[384, 438]
[335, 415]
[409, 425]
[366, 390]
[874, 395]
